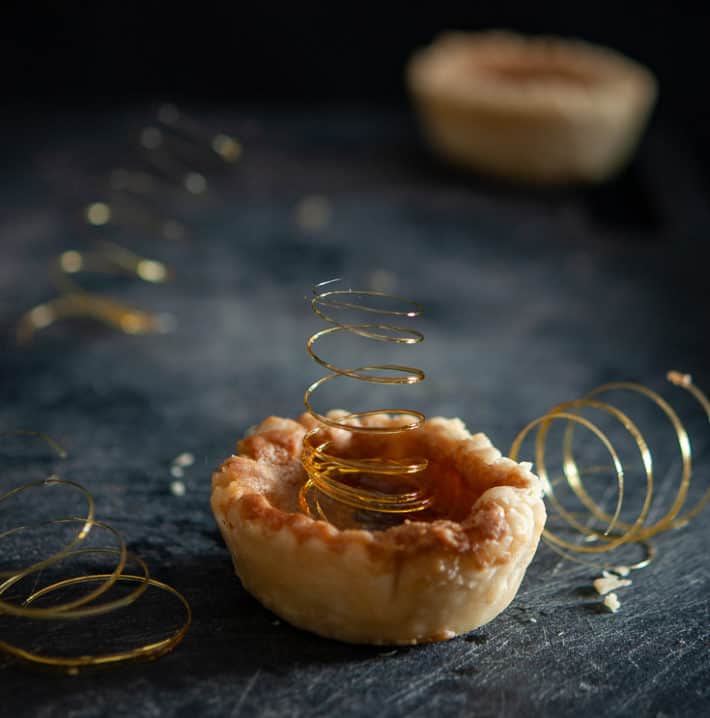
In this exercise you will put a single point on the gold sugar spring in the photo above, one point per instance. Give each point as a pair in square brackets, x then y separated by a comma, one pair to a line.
[612, 533]
[32, 604]
[75, 301]
[170, 151]
[338, 477]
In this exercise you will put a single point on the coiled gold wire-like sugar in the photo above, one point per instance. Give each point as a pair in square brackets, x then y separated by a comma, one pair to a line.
[170, 150]
[617, 533]
[95, 601]
[337, 477]
[75, 301]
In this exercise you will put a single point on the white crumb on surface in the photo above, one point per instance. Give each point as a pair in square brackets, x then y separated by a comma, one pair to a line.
[184, 459]
[612, 602]
[177, 488]
[177, 472]
[609, 582]
[533, 620]
[621, 570]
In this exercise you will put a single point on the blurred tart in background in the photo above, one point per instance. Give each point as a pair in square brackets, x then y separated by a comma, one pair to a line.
[542, 110]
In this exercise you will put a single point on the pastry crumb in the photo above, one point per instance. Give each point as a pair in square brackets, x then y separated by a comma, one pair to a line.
[679, 379]
[177, 488]
[184, 459]
[177, 472]
[609, 582]
[612, 602]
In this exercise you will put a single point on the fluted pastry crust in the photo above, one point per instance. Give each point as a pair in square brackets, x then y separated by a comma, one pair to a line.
[423, 580]
[538, 109]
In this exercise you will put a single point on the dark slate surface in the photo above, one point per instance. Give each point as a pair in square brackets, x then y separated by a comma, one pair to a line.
[531, 297]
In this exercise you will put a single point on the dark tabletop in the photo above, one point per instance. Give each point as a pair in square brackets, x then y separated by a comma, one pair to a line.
[531, 298]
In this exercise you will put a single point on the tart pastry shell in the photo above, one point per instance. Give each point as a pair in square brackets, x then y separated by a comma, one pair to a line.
[418, 581]
[542, 110]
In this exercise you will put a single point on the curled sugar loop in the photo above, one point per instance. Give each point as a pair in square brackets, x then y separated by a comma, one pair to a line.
[336, 476]
[75, 301]
[618, 532]
[178, 154]
[95, 601]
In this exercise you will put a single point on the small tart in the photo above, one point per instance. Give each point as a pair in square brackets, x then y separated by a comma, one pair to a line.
[422, 580]
[537, 109]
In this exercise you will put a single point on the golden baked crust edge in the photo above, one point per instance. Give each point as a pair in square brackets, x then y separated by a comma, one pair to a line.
[413, 583]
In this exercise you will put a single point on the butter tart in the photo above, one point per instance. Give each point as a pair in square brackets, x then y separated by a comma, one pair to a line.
[543, 110]
[432, 576]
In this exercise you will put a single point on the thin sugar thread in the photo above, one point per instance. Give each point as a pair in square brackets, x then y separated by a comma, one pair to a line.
[617, 533]
[170, 149]
[329, 474]
[88, 604]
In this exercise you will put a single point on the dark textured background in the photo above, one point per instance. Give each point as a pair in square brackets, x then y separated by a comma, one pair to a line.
[76, 54]
[531, 298]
